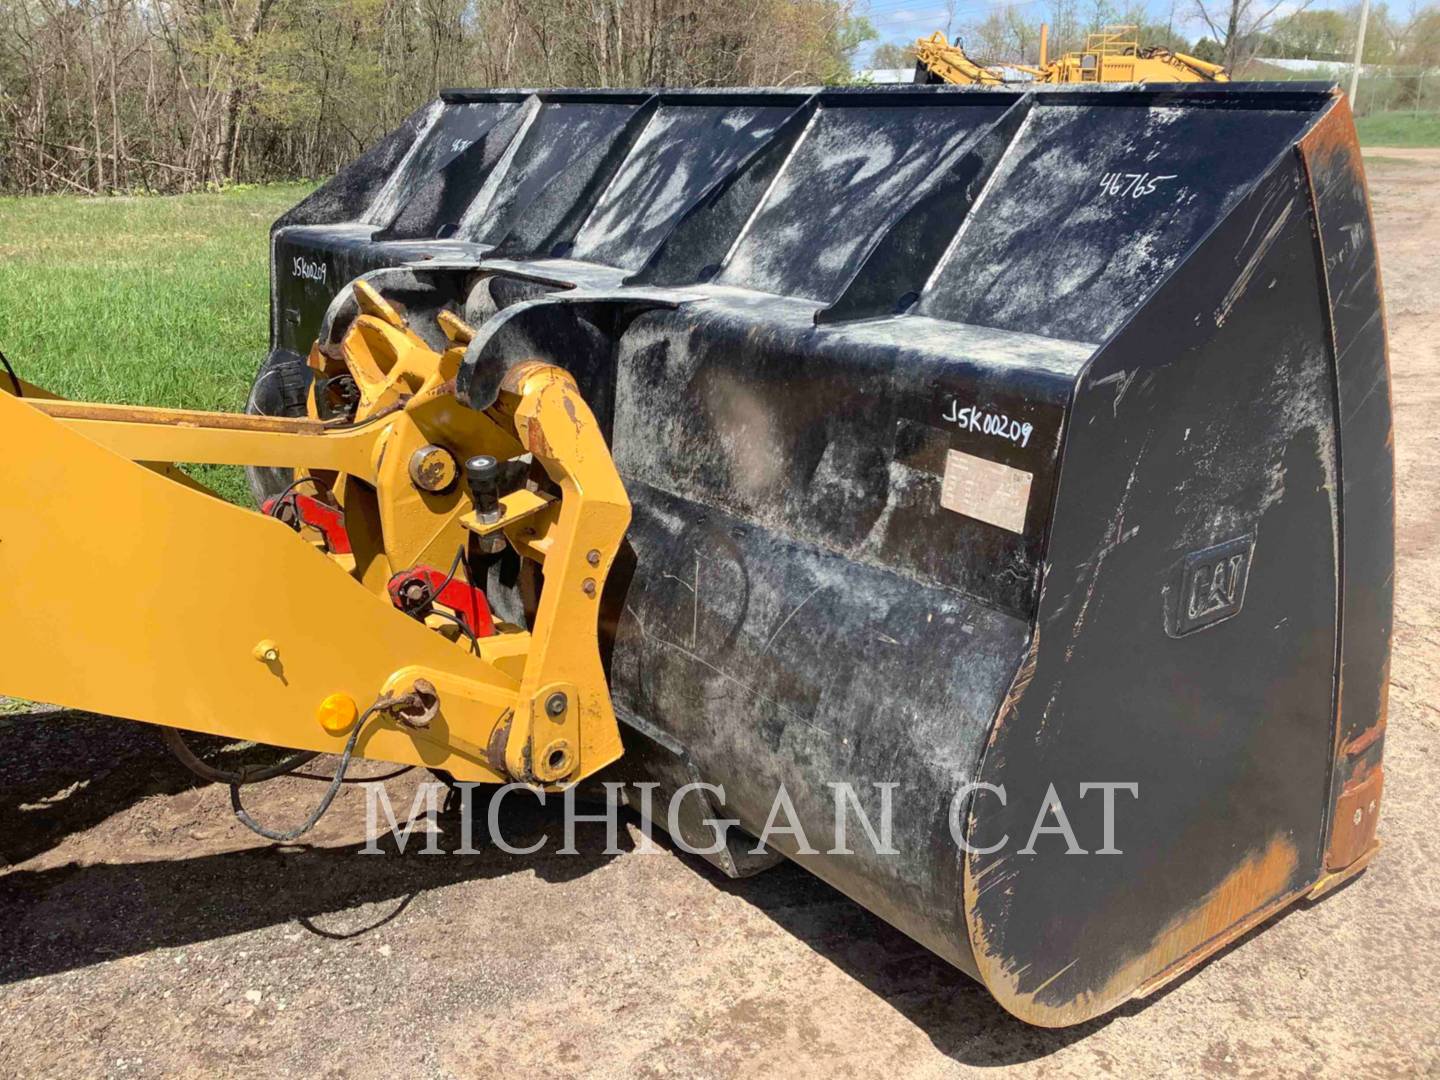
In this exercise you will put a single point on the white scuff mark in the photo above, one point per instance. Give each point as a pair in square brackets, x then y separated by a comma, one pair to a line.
[982, 345]
[776, 184]
[846, 173]
[1052, 978]
[695, 606]
[786, 621]
[387, 203]
[1276, 491]
[694, 599]
[1117, 532]
[1354, 234]
[1242, 282]
[1123, 379]
[1013, 151]
[665, 187]
[1120, 393]
[480, 206]
[697, 658]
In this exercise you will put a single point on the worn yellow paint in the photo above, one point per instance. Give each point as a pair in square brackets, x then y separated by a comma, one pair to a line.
[171, 435]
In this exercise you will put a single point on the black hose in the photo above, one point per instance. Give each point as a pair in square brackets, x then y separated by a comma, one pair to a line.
[248, 775]
[464, 629]
[290, 487]
[14, 379]
[454, 566]
[401, 771]
[289, 493]
[236, 780]
[330, 792]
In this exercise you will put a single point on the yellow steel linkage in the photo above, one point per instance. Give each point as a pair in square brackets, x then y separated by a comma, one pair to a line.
[131, 594]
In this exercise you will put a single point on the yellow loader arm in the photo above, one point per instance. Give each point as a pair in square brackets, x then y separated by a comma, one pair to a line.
[131, 594]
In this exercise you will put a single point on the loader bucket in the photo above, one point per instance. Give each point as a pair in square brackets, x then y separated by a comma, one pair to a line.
[1010, 466]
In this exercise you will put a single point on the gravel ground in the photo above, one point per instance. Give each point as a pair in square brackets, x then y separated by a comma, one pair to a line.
[144, 932]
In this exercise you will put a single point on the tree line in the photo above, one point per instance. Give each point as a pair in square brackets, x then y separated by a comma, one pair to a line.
[171, 95]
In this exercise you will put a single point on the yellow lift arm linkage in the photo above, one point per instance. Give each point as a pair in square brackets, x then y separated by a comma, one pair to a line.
[166, 604]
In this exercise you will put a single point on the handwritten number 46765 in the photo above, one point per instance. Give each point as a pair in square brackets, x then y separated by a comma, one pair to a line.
[1135, 185]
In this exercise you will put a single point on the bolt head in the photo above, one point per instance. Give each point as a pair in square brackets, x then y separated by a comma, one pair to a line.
[556, 704]
[433, 469]
[482, 469]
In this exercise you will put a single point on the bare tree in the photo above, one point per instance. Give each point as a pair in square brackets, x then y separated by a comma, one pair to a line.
[1238, 26]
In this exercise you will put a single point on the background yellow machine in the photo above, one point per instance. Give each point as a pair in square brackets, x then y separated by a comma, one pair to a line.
[1111, 55]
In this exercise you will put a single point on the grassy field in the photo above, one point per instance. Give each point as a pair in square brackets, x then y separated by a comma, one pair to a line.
[157, 301]
[1399, 129]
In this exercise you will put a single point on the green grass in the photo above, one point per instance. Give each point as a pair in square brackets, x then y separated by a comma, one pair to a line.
[1399, 129]
[142, 301]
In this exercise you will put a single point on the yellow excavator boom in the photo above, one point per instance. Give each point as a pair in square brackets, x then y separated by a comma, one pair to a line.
[949, 63]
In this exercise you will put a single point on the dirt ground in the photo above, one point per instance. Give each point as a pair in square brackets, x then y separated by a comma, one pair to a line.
[143, 931]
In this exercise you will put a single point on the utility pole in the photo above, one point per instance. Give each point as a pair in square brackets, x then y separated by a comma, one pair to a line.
[1359, 50]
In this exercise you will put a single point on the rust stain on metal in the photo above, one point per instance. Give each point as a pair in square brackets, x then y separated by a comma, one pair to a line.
[138, 414]
[1357, 811]
[1018, 685]
[1335, 132]
[1222, 941]
[499, 738]
[1256, 888]
[1334, 880]
[439, 392]
[536, 442]
[1332, 145]
[419, 708]
[1366, 738]
[1362, 742]
[1336, 136]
